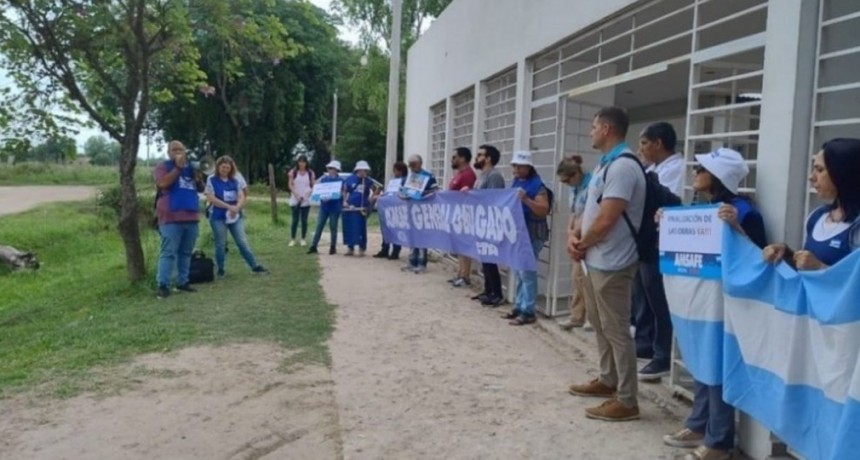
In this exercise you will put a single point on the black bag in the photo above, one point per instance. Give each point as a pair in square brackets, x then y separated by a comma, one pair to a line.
[656, 196]
[202, 268]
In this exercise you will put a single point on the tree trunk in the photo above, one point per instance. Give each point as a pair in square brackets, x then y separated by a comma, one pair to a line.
[129, 227]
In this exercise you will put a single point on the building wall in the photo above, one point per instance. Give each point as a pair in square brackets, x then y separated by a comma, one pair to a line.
[445, 61]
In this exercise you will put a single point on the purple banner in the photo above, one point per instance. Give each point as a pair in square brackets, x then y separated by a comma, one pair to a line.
[486, 225]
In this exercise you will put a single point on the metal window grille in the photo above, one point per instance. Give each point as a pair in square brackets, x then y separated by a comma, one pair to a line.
[463, 121]
[438, 132]
[499, 114]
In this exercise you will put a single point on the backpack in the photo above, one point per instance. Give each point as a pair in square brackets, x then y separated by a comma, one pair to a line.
[656, 196]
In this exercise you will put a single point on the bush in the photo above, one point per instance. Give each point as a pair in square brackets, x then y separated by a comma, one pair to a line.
[109, 202]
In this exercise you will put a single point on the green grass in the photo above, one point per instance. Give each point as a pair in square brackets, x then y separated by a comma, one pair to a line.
[72, 174]
[79, 311]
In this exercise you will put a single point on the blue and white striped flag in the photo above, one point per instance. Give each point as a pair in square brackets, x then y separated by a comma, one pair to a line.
[791, 349]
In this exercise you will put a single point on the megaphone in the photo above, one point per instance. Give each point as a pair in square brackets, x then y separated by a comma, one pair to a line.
[206, 165]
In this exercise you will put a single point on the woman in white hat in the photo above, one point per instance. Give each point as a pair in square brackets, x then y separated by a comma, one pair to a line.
[537, 203]
[357, 190]
[710, 428]
[330, 210]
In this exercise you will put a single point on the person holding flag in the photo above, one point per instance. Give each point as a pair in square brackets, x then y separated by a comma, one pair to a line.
[357, 190]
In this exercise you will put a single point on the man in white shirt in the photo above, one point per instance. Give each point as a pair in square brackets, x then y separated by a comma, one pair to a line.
[650, 312]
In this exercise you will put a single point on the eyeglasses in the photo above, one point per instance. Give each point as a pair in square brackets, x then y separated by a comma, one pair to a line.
[698, 169]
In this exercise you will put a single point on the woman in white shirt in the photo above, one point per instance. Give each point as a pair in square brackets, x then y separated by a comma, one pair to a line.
[301, 183]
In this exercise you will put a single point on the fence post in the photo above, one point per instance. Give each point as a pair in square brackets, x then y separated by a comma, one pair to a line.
[273, 193]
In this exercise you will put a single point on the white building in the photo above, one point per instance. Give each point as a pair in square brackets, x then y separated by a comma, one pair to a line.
[773, 79]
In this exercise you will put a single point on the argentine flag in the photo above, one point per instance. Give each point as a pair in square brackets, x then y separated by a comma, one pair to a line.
[791, 347]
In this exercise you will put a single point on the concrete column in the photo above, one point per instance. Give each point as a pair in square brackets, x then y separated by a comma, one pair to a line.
[478, 117]
[786, 117]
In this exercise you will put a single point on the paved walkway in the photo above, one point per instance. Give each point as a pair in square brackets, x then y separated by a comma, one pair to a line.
[422, 372]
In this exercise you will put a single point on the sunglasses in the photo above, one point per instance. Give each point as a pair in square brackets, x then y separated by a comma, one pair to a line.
[698, 169]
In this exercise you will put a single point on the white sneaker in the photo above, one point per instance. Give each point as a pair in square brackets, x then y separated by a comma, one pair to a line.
[293, 243]
[303, 243]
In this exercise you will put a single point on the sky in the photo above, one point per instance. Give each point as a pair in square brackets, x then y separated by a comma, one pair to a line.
[155, 150]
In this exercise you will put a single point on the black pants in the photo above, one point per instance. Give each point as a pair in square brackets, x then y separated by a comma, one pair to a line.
[651, 314]
[300, 214]
[492, 281]
[394, 247]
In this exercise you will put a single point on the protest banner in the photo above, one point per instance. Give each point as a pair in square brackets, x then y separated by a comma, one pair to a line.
[486, 225]
[326, 191]
[792, 349]
[690, 260]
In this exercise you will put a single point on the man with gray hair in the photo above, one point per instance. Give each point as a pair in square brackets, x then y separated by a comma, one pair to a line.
[418, 259]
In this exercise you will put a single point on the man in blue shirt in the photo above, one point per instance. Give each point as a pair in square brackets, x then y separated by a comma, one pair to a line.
[330, 209]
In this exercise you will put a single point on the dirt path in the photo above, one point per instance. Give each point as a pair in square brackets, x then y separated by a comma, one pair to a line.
[231, 402]
[422, 372]
[21, 198]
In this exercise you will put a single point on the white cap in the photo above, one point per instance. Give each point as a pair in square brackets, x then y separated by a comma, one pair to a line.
[362, 166]
[726, 165]
[522, 157]
[334, 164]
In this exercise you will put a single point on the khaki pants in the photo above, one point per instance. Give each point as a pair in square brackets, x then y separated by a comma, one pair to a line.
[610, 318]
[581, 293]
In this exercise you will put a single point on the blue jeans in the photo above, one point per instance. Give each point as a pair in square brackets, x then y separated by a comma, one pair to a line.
[331, 218]
[418, 257]
[237, 229]
[177, 245]
[712, 417]
[651, 313]
[527, 286]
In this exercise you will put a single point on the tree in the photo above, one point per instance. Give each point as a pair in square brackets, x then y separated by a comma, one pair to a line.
[373, 17]
[108, 60]
[101, 151]
[57, 149]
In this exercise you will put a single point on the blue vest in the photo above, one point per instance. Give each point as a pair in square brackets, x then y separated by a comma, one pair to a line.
[335, 205]
[226, 191]
[532, 187]
[358, 191]
[830, 251]
[183, 192]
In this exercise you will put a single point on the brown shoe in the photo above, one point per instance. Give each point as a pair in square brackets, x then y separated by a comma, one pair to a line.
[684, 438]
[593, 389]
[613, 411]
[706, 453]
[570, 325]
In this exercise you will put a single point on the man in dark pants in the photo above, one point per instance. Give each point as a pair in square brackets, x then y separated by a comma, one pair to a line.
[489, 178]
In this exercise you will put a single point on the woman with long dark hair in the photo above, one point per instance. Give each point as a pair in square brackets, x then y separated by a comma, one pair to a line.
[832, 230]
[301, 182]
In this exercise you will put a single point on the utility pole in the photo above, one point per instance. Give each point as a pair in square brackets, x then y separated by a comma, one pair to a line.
[334, 127]
[393, 89]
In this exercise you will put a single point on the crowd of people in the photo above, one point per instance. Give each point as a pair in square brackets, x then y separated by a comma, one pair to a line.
[616, 285]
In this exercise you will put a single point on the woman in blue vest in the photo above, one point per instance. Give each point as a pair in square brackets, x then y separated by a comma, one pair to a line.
[710, 428]
[832, 230]
[357, 189]
[227, 192]
[537, 202]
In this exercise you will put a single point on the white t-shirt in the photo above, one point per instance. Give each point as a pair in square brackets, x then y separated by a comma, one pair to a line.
[624, 181]
[301, 188]
[824, 230]
[671, 173]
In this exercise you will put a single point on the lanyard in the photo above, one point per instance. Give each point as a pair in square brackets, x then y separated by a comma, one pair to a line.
[613, 154]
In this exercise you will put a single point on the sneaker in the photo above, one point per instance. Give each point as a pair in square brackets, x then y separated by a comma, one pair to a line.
[644, 354]
[654, 371]
[570, 325]
[163, 292]
[453, 280]
[480, 297]
[362, 253]
[706, 453]
[420, 269]
[460, 282]
[220, 273]
[349, 253]
[613, 411]
[303, 243]
[684, 438]
[186, 288]
[260, 270]
[593, 389]
[332, 251]
[408, 268]
[292, 243]
[493, 302]
[380, 255]
[394, 256]
[312, 250]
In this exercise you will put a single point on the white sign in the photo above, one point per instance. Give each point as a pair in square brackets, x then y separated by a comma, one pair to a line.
[326, 191]
[415, 185]
[393, 186]
[691, 241]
